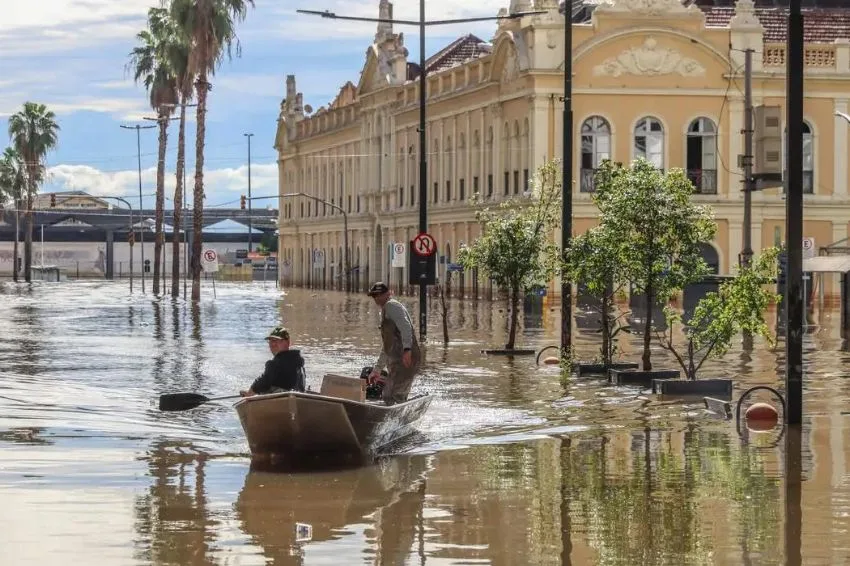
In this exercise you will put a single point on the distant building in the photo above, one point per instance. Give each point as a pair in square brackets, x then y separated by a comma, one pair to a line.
[69, 199]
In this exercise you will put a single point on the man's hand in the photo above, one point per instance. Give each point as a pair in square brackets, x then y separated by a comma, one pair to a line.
[374, 376]
[246, 393]
[407, 359]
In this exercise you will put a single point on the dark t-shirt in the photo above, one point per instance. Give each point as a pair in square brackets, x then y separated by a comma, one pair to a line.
[285, 370]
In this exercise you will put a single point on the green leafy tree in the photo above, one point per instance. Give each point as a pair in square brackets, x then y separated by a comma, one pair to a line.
[34, 132]
[594, 261]
[659, 231]
[151, 65]
[737, 306]
[210, 27]
[13, 187]
[515, 249]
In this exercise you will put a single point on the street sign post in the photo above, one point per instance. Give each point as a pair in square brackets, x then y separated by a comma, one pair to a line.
[808, 248]
[209, 260]
[424, 245]
[398, 259]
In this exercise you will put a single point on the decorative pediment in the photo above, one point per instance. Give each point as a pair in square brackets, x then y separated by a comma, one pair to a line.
[72, 221]
[370, 76]
[648, 7]
[649, 60]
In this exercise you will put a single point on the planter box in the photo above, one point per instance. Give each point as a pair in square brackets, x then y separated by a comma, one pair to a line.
[699, 387]
[640, 377]
[585, 368]
[719, 407]
[515, 352]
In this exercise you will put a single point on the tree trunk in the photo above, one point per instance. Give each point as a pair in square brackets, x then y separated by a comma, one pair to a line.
[514, 306]
[692, 370]
[28, 240]
[17, 237]
[160, 200]
[198, 194]
[178, 202]
[647, 330]
[444, 309]
[606, 330]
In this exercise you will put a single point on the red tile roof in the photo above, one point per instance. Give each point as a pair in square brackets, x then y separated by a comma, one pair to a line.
[821, 25]
[459, 51]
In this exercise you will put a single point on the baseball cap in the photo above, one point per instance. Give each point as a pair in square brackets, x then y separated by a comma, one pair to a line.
[378, 288]
[278, 333]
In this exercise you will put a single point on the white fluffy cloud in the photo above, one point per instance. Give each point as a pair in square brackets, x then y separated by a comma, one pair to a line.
[221, 185]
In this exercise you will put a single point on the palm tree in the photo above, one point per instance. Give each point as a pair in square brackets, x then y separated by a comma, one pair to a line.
[150, 64]
[13, 186]
[33, 132]
[210, 26]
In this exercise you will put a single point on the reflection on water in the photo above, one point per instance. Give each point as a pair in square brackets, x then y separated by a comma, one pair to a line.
[507, 467]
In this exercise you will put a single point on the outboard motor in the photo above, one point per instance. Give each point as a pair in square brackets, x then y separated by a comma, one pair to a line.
[374, 390]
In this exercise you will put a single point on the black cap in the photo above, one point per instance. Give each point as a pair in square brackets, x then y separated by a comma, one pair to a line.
[378, 288]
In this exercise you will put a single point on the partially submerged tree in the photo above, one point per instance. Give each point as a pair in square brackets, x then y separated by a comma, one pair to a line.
[659, 230]
[737, 306]
[34, 132]
[594, 261]
[13, 187]
[515, 248]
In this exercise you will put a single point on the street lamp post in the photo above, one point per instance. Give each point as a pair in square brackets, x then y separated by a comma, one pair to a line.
[421, 23]
[138, 129]
[250, 230]
[567, 182]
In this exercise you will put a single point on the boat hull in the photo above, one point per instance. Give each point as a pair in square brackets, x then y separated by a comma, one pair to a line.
[294, 423]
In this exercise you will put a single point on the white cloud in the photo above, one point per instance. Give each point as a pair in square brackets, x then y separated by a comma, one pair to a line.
[46, 13]
[220, 185]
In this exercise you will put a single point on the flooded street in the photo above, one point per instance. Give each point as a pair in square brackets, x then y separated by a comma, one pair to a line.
[508, 467]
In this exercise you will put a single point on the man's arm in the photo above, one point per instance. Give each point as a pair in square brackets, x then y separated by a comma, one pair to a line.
[264, 382]
[397, 313]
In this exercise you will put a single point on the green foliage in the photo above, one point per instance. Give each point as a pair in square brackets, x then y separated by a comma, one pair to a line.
[594, 260]
[13, 183]
[515, 248]
[737, 306]
[655, 229]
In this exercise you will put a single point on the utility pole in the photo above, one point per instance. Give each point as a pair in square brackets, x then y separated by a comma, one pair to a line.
[567, 183]
[746, 257]
[794, 218]
[138, 129]
[250, 229]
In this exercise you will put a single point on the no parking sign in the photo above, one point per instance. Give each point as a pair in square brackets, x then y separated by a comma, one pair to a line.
[209, 260]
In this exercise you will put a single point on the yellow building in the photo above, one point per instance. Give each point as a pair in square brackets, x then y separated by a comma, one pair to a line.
[652, 78]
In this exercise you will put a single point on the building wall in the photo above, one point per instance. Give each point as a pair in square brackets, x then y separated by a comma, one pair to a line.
[492, 120]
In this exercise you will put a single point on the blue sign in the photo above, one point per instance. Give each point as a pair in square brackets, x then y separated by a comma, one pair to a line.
[540, 292]
[454, 267]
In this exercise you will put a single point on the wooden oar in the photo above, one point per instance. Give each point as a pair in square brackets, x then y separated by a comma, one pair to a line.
[186, 401]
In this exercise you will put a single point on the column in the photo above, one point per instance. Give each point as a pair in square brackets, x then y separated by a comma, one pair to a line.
[839, 147]
[736, 148]
[470, 155]
[736, 241]
[538, 136]
[482, 155]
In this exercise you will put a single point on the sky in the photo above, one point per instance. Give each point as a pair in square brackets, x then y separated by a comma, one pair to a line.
[71, 55]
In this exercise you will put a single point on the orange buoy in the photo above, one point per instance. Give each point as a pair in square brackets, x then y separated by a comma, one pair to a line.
[551, 361]
[761, 416]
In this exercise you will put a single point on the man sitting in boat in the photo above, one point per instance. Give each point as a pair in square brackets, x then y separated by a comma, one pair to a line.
[284, 372]
[400, 352]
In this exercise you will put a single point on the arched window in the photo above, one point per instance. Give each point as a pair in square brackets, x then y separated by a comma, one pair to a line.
[450, 173]
[702, 156]
[595, 148]
[649, 141]
[435, 171]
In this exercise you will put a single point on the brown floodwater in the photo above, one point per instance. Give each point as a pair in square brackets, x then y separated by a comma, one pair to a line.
[508, 467]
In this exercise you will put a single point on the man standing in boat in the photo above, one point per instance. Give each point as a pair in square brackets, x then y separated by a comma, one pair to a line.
[400, 352]
[284, 372]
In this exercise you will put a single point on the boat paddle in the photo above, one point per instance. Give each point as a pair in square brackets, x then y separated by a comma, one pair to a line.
[186, 401]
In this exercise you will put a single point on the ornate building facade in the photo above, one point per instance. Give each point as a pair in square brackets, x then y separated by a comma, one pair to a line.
[652, 78]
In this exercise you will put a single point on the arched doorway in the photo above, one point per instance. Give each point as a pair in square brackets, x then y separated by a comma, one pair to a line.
[693, 293]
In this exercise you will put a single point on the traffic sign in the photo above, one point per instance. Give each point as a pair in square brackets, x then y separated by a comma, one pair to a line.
[808, 248]
[209, 260]
[398, 254]
[424, 245]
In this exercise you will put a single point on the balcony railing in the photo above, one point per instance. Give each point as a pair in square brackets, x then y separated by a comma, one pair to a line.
[586, 184]
[704, 180]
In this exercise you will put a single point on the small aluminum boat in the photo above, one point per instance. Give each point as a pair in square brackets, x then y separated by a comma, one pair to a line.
[283, 425]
